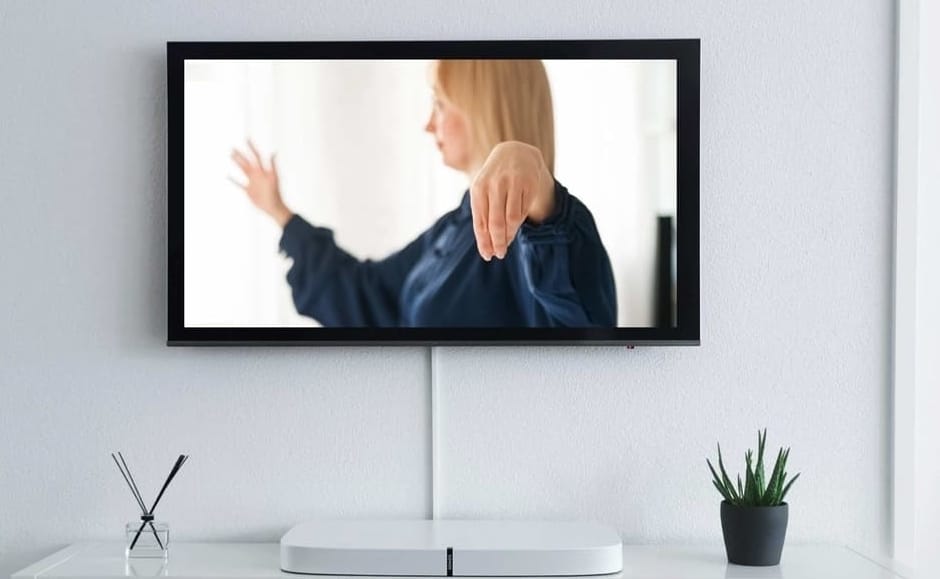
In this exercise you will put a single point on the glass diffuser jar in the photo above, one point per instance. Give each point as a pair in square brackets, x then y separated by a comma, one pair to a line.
[152, 542]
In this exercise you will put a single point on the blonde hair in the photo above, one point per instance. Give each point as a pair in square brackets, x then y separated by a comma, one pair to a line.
[504, 100]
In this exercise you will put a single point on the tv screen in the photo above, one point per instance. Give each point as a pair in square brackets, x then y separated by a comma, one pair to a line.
[466, 192]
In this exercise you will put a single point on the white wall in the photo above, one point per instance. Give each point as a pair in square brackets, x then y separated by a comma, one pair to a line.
[796, 248]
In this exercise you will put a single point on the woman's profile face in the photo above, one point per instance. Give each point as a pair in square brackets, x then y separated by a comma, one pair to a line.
[451, 131]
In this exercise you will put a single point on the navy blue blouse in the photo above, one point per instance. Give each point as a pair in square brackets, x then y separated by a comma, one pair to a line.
[556, 273]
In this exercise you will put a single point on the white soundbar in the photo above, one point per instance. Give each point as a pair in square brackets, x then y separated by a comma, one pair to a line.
[443, 548]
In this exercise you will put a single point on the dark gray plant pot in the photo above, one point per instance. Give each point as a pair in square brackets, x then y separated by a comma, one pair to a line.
[754, 535]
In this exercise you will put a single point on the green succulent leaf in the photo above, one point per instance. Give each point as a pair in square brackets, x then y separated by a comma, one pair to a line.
[759, 469]
[723, 492]
[714, 474]
[786, 489]
[750, 481]
[724, 474]
[783, 475]
[773, 485]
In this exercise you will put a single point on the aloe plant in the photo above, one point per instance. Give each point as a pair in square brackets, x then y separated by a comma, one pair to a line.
[756, 490]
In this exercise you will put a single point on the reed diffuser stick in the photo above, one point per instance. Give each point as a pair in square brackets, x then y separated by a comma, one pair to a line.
[176, 467]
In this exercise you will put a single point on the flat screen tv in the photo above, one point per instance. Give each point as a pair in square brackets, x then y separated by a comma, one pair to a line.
[423, 192]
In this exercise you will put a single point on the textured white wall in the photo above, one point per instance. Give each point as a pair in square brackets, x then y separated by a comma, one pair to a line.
[796, 239]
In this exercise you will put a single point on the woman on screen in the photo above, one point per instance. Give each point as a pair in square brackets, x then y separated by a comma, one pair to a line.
[519, 250]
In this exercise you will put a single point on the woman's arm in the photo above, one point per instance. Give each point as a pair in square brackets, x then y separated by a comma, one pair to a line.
[336, 289]
[566, 266]
[327, 283]
[515, 199]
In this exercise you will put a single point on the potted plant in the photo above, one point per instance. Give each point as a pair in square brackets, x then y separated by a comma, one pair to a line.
[753, 513]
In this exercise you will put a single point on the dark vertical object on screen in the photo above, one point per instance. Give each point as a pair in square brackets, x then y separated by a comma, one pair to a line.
[665, 306]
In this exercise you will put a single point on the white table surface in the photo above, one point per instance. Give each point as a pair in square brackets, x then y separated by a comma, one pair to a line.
[261, 561]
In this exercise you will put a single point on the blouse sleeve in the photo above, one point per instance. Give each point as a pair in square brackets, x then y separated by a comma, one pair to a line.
[566, 266]
[337, 289]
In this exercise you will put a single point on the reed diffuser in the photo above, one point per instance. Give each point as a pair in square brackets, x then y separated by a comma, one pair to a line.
[149, 538]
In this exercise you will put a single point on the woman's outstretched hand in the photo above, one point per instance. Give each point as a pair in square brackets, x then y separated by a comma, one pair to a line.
[514, 184]
[262, 187]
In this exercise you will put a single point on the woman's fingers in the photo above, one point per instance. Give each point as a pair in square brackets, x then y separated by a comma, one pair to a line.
[242, 161]
[497, 217]
[479, 208]
[273, 166]
[516, 209]
[498, 208]
[254, 164]
[254, 151]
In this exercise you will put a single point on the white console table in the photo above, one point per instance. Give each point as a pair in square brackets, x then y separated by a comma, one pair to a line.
[261, 561]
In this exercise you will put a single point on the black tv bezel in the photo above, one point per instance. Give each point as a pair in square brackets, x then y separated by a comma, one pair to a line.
[686, 52]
